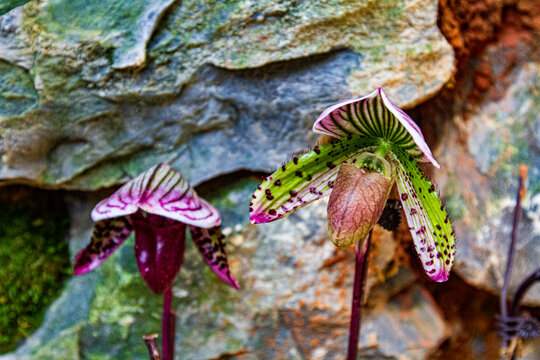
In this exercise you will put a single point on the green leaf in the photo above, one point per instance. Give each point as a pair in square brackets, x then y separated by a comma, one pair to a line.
[428, 221]
[305, 178]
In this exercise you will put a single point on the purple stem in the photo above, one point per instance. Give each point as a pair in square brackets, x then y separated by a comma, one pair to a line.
[360, 271]
[511, 251]
[168, 326]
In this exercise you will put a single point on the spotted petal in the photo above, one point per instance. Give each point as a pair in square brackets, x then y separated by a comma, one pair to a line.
[162, 191]
[304, 179]
[108, 235]
[428, 221]
[375, 116]
[211, 244]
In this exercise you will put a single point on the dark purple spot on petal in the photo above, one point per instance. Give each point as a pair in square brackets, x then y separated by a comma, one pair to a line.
[404, 196]
[330, 165]
[298, 173]
[277, 183]
[317, 150]
[293, 193]
[429, 263]
[295, 160]
[283, 167]
[413, 211]
[272, 212]
[269, 197]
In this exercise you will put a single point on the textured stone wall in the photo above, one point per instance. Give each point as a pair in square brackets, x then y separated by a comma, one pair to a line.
[92, 93]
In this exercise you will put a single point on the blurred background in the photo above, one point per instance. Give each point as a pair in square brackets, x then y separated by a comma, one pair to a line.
[94, 92]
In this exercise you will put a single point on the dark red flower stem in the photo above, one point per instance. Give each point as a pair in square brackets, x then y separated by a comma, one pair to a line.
[517, 215]
[168, 326]
[359, 286]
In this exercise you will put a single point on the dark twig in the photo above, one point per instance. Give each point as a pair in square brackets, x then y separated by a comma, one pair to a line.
[522, 290]
[525, 327]
[360, 270]
[504, 292]
[151, 345]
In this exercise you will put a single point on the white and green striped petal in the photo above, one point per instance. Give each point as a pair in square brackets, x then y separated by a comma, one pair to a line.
[160, 190]
[428, 221]
[375, 116]
[305, 179]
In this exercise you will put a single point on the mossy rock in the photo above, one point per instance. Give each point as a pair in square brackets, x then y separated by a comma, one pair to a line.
[35, 260]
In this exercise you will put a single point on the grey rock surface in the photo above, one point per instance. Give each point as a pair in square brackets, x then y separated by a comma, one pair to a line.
[479, 178]
[98, 93]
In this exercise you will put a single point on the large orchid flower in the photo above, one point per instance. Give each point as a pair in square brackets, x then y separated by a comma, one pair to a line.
[158, 205]
[375, 145]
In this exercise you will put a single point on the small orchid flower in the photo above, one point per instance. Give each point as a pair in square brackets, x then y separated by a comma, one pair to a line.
[158, 205]
[376, 144]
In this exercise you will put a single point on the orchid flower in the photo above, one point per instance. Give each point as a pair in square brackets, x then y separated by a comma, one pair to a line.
[158, 205]
[376, 145]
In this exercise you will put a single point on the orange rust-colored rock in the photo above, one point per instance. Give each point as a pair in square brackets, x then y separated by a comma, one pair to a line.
[468, 24]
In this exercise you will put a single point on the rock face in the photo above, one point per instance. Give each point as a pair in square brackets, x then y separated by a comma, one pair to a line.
[480, 175]
[294, 302]
[91, 94]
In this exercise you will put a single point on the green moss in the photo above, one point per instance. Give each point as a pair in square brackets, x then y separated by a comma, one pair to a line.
[35, 259]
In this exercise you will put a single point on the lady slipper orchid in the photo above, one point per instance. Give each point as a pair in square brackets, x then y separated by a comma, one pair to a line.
[158, 205]
[376, 144]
